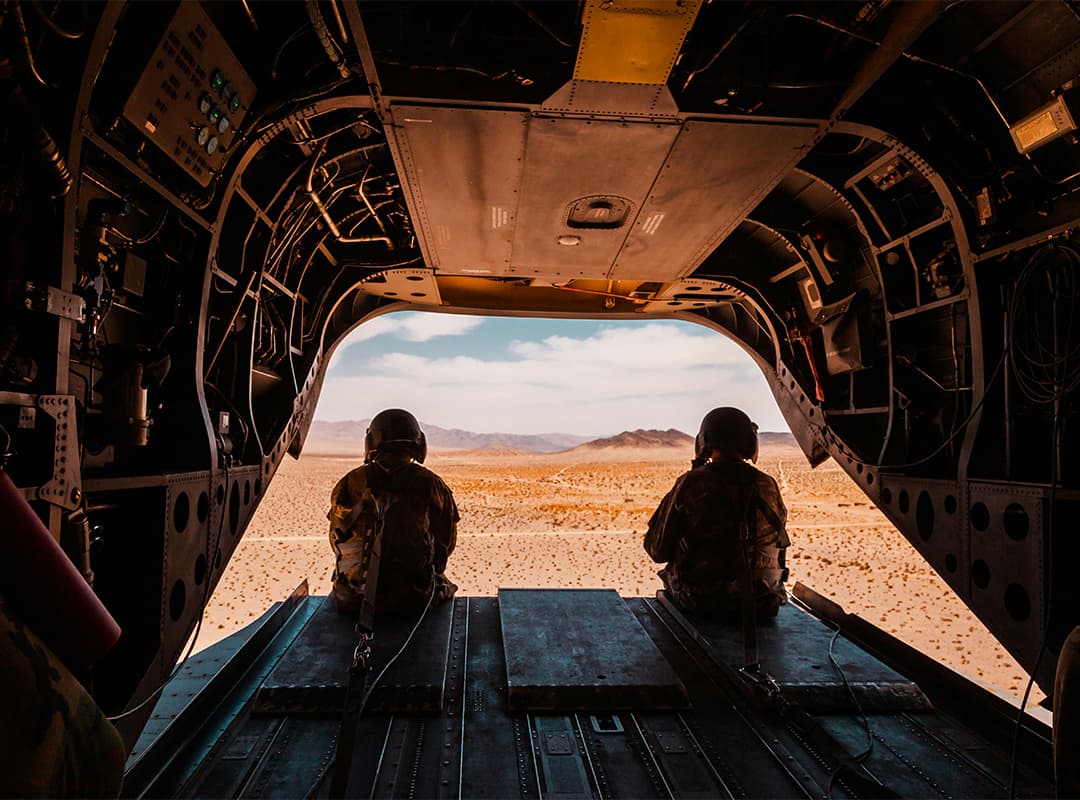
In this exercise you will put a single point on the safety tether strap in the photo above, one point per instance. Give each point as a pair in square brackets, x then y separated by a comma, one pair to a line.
[749, 621]
[358, 670]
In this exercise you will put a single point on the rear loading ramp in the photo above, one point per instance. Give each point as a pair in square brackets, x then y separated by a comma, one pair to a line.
[726, 740]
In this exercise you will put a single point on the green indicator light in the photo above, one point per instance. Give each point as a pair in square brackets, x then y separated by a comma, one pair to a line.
[217, 80]
[234, 102]
[215, 114]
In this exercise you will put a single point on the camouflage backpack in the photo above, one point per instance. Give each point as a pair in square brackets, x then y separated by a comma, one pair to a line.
[392, 506]
[716, 558]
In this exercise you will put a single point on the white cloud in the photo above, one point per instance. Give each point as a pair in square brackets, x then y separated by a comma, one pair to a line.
[412, 327]
[651, 376]
[630, 347]
[415, 327]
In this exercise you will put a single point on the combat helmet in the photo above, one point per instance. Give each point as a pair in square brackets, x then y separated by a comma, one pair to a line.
[726, 429]
[394, 426]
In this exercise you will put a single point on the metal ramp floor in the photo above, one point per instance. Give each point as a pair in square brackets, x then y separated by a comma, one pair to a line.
[499, 697]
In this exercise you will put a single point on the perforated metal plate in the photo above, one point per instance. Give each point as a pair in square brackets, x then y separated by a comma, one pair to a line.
[690, 294]
[408, 285]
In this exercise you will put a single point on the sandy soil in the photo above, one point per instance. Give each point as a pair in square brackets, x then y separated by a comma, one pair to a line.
[548, 521]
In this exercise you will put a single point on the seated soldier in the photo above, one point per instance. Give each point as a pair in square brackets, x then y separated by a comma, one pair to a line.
[720, 519]
[415, 510]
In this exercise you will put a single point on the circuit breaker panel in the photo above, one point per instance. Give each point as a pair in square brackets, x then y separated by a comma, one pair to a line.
[193, 95]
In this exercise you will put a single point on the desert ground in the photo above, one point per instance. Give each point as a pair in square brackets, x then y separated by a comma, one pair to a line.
[567, 520]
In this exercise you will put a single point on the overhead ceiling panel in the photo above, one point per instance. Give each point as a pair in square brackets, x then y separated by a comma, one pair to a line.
[716, 174]
[463, 169]
[570, 159]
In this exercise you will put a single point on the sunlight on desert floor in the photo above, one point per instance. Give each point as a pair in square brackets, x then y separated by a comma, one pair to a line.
[546, 521]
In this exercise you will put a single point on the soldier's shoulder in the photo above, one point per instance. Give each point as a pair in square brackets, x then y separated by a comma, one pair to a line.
[693, 480]
[427, 476]
[765, 481]
[352, 482]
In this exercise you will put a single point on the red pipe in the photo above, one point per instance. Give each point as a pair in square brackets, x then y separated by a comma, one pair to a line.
[46, 590]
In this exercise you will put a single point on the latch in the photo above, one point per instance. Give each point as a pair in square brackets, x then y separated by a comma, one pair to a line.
[51, 300]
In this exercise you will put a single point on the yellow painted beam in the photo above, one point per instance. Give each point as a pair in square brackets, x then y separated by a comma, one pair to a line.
[633, 41]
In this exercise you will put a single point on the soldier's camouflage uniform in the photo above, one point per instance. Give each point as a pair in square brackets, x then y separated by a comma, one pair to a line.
[54, 740]
[419, 534]
[696, 530]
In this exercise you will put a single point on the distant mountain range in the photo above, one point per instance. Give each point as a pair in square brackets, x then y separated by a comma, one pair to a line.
[347, 437]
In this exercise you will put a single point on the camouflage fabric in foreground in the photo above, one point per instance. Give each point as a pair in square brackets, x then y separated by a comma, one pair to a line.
[54, 740]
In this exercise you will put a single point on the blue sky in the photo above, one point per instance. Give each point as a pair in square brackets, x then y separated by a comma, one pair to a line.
[589, 377]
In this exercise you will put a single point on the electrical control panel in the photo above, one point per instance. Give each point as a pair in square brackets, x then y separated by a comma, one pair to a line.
[193, 95]
[890, 173]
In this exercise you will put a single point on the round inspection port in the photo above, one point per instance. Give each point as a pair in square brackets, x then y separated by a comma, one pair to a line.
[980, 517]
[234, 508]
[177, 600]
[924, 516]
[1015, 521]
[203, 508]
[181, 512]
[1017, 602]
[980, 574]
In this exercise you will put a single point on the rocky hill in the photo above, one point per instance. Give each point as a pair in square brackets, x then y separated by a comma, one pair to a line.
[640, 440]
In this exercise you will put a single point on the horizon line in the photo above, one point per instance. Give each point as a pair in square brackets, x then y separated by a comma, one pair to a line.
[545, 433]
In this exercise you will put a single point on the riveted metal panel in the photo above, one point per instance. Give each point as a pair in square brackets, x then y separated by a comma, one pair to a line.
[934, 516]
[794, 650]
[408, 285]
[632, 42]
[691, 294]
[463, 169]
[581, 649]
[716, 174]
[1007, 562]
[312, 677]
[568, 159]
[607, 97]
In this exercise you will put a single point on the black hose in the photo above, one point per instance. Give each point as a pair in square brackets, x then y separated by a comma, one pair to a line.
[44, 147]
[37, 139]
[24, 44]
[325, 38]
[52, 25]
